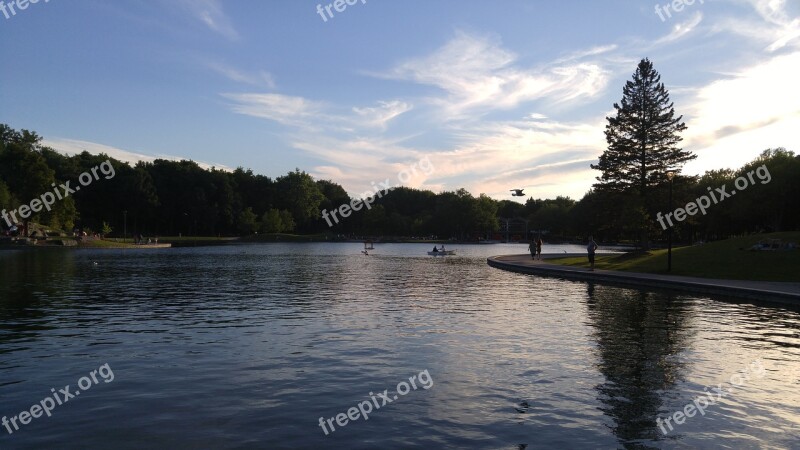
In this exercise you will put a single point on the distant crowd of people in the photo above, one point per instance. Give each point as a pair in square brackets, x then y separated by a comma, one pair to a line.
[139, 239]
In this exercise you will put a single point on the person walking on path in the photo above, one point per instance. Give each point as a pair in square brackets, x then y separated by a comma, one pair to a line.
[532, 249]
[591, 249]
[539, 247]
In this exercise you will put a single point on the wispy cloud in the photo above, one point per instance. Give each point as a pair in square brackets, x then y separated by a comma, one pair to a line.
[771, 26]
[733, 110]
[210, 13]
[681, 29]
[477, 78]
[259, 78]
[381, 115]
[75, 146]
[479, 75]
[316, 115]
[285, 109]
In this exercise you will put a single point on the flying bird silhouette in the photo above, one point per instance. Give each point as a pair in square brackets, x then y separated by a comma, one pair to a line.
[517, 193]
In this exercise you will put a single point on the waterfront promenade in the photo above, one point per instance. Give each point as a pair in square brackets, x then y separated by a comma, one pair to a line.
[779, 292]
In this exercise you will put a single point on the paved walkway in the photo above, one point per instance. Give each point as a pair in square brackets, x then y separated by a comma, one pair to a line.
[757, 290]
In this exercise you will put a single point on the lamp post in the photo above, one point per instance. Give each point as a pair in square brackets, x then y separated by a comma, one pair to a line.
[670, 176]
[125, 227]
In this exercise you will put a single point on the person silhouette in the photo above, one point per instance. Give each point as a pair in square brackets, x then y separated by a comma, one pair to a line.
[591, 249]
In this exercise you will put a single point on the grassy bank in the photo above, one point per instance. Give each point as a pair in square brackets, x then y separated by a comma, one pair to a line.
[728, 259]
[175, 241]
[283, 237]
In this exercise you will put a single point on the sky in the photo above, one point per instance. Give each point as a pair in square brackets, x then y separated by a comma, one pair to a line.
[491, 95]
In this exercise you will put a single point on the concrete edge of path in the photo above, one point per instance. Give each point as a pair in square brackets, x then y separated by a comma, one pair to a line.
[773, 292]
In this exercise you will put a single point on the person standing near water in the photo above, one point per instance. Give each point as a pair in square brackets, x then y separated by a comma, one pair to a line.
[591, 249]
[539, 247]
[532, 249]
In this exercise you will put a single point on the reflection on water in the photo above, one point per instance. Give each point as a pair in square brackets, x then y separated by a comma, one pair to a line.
[247, 346]
[638, 335]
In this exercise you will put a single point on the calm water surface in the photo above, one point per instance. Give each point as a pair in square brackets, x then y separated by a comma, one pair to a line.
[248, 346]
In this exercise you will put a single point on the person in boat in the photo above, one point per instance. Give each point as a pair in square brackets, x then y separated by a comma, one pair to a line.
[435, 250]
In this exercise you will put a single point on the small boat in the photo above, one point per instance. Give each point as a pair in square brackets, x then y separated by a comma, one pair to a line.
[443, 253]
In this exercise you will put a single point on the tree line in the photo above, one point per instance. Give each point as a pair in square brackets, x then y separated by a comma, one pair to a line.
[171, 198]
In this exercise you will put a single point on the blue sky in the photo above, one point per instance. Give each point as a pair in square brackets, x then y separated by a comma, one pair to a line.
[497, 95]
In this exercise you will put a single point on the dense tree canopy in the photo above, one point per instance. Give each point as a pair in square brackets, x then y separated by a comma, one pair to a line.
[168, 198]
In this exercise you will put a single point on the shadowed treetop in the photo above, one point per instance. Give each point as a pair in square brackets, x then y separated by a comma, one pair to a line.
[643, 137]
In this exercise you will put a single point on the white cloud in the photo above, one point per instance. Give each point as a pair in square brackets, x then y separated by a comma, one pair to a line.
[380, 116]
[358, 163]
[74, 146]
[476, 75]
[260, 78]
[315, 115]
[284, 109]
[682, 29]
[773, 27]
[736, 117]
[210, 13]
[479, 75]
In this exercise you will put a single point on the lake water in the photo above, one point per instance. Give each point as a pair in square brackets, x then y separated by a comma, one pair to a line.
[247, 346]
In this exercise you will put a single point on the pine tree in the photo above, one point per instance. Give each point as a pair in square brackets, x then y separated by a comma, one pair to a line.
[643, 138]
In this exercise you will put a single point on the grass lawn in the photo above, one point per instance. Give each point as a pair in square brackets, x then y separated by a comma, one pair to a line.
[728, 259]
[285, 237]
[99, 243]
[170, 239]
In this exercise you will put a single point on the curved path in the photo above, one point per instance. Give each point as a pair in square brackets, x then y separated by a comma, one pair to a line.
[780, 292]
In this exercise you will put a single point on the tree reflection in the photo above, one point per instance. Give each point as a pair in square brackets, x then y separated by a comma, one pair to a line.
[639, 336]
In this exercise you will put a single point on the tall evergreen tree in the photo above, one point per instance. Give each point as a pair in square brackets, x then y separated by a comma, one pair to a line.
[643, 137]
[643, 141]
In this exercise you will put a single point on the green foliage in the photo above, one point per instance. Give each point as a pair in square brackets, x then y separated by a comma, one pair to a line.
[5, 196]
[643, 137]
[277, 221]
[300, 195]
[106, 229]
[287, 221]
[179, 197]
[271, 222]
[247, 221]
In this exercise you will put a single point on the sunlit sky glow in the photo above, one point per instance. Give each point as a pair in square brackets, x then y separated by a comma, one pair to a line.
[498, 95]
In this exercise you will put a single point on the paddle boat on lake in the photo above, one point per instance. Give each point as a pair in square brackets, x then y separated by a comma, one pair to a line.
[441, 252]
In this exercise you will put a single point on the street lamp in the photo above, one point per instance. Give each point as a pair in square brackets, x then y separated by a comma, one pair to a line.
[670, 176]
